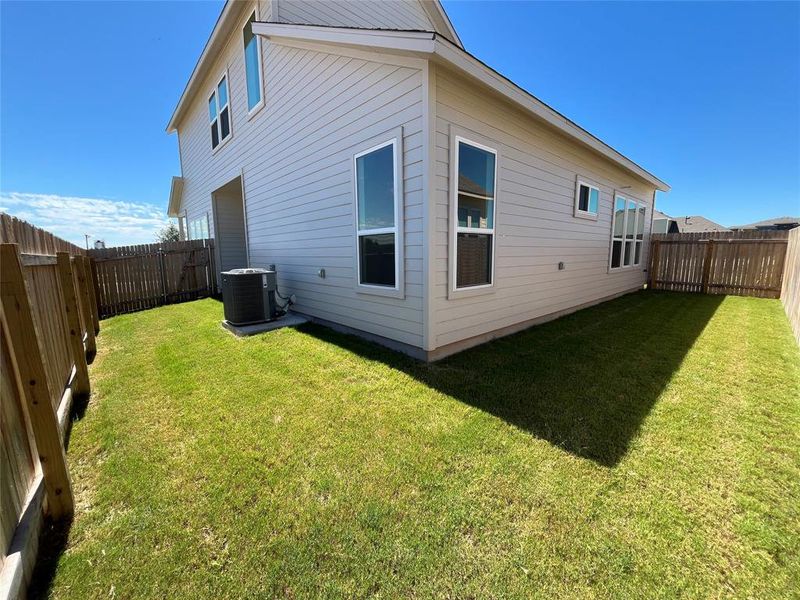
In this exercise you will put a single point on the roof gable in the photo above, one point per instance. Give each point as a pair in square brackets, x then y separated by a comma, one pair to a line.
[419, 15]
[432, 46]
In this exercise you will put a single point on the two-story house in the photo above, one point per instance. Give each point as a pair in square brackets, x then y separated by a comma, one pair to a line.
[404, 189]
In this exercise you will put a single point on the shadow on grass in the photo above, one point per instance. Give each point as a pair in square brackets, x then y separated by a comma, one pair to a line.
[52, 543]
[584, 382]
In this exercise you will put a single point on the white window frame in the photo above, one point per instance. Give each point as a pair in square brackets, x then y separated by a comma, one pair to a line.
[398, 290]
[196, 228]
[639, 205]
[260, 104]
[455, 291]
[585, 214]
[215, 93]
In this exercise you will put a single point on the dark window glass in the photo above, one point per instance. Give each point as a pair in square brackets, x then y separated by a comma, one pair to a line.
[375, 188]
[214, 135]
[583, 198]
[616, 253]
[474, 259]
[225, 124]
[376, 256]
[594, 199]
[628, 254]
[638, 255]
[475, 171]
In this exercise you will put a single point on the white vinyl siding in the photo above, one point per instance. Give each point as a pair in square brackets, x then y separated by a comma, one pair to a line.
[387, 14]
[296, 155]
[537, 229]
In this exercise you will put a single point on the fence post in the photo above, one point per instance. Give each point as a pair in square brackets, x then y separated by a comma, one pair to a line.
[95, 294]
[163, 275]
[86, 306]
[709, 255]
[24, 335]
[654, 266]
[81, 385]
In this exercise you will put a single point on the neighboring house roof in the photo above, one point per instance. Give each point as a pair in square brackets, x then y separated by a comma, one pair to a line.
[229, 17]
[657, 214]
[434, 46]
[785, 221]
[697, 224]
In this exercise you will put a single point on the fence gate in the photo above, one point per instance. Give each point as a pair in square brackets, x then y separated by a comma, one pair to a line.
[744, 263]
[131, 278]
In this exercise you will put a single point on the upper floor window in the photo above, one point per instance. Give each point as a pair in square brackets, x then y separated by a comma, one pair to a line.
[377, 215]
[220, 113]
[475, 208]
[587, 198]
[627, 232]
[252, 64]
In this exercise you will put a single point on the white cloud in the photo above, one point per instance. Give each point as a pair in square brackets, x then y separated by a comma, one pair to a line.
[118, 223]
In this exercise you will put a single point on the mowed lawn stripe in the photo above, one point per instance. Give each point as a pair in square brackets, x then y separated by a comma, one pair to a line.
[644, 447]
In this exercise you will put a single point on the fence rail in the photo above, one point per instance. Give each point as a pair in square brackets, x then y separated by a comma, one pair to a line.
[749, 263]
[48, 323]
[132, 278]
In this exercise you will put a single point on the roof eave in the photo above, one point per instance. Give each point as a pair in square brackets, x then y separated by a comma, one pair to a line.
[465, 62]
[175, 194]
[218, 34]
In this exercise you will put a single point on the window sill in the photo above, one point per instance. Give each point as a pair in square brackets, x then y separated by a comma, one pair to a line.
[582, 214]
[221, 144]
[384, 292]
[256, 109]
[623, 269]
[470, 292]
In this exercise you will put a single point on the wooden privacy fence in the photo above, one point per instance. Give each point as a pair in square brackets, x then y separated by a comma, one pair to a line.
[32, 239]
[746, 263]
[790, 294]
[48, 323]
[131, 278]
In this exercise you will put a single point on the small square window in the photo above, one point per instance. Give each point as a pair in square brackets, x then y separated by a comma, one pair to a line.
[587, 199]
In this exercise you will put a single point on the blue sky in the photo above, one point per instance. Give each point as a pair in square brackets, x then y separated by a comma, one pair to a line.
[704, 95]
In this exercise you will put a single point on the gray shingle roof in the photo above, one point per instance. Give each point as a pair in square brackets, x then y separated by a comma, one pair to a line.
[697, 224]
[769, 222]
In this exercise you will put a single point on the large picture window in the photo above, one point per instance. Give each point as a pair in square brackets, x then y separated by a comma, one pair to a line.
[252, 64]
[219, 113]
[627, 232]
[476, 168]
[198, 229]
[377, 216]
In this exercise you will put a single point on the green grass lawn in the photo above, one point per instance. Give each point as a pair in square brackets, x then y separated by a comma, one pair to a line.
[646, 447]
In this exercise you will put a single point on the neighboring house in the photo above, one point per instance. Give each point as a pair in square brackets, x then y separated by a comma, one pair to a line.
[779, 224]
[404, 190]
[663, 223]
